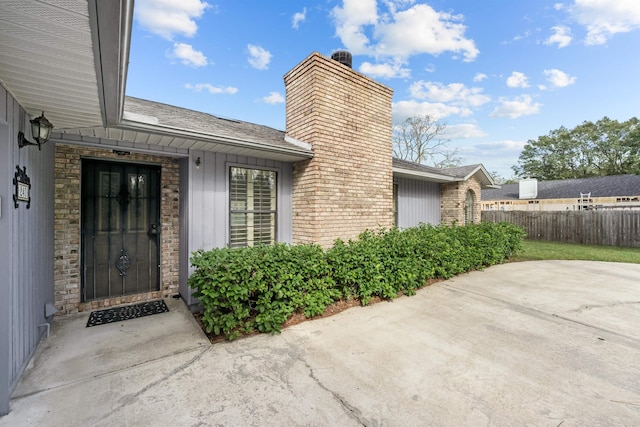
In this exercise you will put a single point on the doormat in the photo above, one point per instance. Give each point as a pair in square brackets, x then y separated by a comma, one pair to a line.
[117, 314]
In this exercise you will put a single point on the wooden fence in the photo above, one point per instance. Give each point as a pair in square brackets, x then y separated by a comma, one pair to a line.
[597, 227]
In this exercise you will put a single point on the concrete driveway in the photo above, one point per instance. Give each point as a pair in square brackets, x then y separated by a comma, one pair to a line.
[540, 343]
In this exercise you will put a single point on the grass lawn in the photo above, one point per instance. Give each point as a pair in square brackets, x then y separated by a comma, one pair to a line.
[539, 250]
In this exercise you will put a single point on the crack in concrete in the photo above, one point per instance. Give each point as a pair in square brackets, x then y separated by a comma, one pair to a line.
[545, 315]
[133, 397]
[592, 306]
[350, 410]
[105, 374]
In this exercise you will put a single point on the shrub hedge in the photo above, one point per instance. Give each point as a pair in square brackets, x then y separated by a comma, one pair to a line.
[259, 288]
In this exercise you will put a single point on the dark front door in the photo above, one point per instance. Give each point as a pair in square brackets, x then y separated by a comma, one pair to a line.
[120, 229]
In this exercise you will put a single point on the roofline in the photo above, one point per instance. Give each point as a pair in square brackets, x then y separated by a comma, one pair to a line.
[201, 136]
[487, 175]
[425, 176]
[301, 144]
[111, 53]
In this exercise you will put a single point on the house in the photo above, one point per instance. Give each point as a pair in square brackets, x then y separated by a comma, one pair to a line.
[429, 195]
[108, 210]
[602, 192]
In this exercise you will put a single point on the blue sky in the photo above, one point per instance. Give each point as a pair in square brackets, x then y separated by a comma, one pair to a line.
[498, 73]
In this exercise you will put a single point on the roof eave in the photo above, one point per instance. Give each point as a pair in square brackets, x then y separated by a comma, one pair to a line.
[111, 53]
[486, 181]
[423, 176]
[296, 151]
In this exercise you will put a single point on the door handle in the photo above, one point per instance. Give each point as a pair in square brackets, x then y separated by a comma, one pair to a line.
[153, 230]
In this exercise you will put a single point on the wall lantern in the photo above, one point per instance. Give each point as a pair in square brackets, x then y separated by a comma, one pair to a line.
[40, 129]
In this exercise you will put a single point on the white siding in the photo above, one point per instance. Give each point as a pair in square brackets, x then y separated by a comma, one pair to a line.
[418, 202]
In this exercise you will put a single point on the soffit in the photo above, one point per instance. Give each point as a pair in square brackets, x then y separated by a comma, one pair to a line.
[175, 142]
[47, 60]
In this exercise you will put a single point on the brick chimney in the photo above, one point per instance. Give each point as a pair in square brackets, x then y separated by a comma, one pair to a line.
[347, 187]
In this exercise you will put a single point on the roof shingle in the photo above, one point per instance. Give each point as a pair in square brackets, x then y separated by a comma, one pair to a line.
[602, 186]
[189, 120]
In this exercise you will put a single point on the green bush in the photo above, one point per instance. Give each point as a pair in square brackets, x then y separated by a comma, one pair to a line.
[386, 263]
[259, 288]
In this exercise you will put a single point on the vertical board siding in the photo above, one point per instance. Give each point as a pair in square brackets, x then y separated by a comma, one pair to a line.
[418, 202]
[207, 205]
[599, 227]
[6, 286]
[185, 180]
[27, 239]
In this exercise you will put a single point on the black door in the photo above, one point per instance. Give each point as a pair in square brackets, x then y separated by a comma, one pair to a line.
[120, 229]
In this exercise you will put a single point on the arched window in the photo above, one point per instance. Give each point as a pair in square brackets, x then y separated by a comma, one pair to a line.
[469, 205]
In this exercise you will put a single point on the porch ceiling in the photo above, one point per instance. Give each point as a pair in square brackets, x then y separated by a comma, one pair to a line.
[67, 58]
[47, 60]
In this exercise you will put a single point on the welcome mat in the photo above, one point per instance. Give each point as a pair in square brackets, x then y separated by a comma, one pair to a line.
[117, 314]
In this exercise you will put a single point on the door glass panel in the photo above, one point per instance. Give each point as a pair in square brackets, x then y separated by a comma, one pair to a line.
[107, 205]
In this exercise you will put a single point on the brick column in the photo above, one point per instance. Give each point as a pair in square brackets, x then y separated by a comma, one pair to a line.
[347, 186]
[453, 200]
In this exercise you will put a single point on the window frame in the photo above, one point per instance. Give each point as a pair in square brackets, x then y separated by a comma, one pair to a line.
[469, 210]
[230, 211]
[395, 202]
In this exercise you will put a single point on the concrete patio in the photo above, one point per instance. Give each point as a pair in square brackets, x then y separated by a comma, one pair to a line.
[539, 343]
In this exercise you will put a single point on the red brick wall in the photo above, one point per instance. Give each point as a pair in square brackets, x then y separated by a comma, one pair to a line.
[347, 186]
[67, 274]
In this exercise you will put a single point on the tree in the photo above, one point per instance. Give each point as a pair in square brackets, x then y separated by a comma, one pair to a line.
[419, 139]
[606, 147]
[499, 179]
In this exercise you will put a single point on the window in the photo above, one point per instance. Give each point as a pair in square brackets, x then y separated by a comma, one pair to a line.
[252, 203]
[395, 204]
[469, 207]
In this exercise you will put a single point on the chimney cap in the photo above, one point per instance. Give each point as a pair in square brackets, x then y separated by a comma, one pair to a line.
[342, 56]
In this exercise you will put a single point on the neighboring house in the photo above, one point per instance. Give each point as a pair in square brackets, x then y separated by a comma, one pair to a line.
[126, 189]
[603, 192]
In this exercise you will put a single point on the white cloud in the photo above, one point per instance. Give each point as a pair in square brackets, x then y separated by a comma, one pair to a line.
[453, 93]
[298, 17]
[561, 36]
[273, 98]
[479, 77]
[522, 36]
[213, 90]
[513, 108]
[398, 33]
[559, 78]
[501, 146]
[464, 131]
[496, 156]
[167, 18]
[386, 71]
[605, 18]
[404, 109]
[517, 79]
[259, 57]
[351, 20]
[188, 56]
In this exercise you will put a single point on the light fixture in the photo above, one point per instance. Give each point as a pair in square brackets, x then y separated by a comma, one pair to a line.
[40, 130]
[198, 162]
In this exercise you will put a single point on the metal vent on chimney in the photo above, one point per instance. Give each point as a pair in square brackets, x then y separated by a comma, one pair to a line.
[343, 57]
